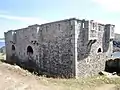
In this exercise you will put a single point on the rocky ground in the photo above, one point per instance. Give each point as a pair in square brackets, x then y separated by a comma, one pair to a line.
[12, 77]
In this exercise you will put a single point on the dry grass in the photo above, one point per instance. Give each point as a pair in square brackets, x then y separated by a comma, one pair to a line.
[2, 56]
[79, 84]
[24, 80]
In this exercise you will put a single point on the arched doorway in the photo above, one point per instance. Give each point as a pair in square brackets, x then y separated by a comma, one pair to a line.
[13, 48]
[13, 54]
[29, 50]
[99, 50]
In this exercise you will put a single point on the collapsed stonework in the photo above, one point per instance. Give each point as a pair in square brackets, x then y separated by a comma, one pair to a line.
[66, 48]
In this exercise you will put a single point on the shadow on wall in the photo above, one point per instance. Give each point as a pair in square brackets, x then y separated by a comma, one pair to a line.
[84, 45]
[29, 64]
[105, 41]
[87, 53]
[32, 67]
[83, 54]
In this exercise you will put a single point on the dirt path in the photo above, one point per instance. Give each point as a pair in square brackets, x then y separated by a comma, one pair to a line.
[14, 78]
[11, 79]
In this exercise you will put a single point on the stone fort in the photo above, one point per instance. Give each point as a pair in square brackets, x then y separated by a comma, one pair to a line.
[65, 48]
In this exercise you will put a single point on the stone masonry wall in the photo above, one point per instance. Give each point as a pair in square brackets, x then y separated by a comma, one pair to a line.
[91, 58]
[52, 48]
[65, 48]
[57, 48]
[20, 40]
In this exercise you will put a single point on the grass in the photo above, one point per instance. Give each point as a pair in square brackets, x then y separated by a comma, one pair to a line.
[81, 83]
[2, 56]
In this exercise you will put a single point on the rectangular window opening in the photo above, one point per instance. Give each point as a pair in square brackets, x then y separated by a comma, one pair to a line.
[93, 25]
[83, 25]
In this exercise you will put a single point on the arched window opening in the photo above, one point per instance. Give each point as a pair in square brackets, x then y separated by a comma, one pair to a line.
[29, 50]
[99, 50]
[13, 47]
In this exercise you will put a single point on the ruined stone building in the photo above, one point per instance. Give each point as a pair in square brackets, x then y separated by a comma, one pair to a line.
[68, 48]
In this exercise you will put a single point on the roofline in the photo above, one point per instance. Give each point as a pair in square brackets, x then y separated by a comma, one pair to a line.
[58, 22]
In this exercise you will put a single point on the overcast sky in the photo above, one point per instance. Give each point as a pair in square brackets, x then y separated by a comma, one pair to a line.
[21, 13]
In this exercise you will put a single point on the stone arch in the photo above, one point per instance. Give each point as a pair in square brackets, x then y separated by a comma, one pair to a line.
[29, 50]
[13, 48]
[99, 50]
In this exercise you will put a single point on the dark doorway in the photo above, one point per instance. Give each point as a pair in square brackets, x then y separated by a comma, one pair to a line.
[29, 50]
[13, 47]
[99, 50]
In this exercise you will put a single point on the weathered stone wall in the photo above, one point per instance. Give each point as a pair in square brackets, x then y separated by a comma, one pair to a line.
[108, 40]
[52, 47]
[57, 48]
[91, 56]
[67, 48]
[8, 39]
[17, 42]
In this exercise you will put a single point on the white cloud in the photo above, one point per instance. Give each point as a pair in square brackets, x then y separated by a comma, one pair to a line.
[17, 22]
[110, 5]
[30, 20]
